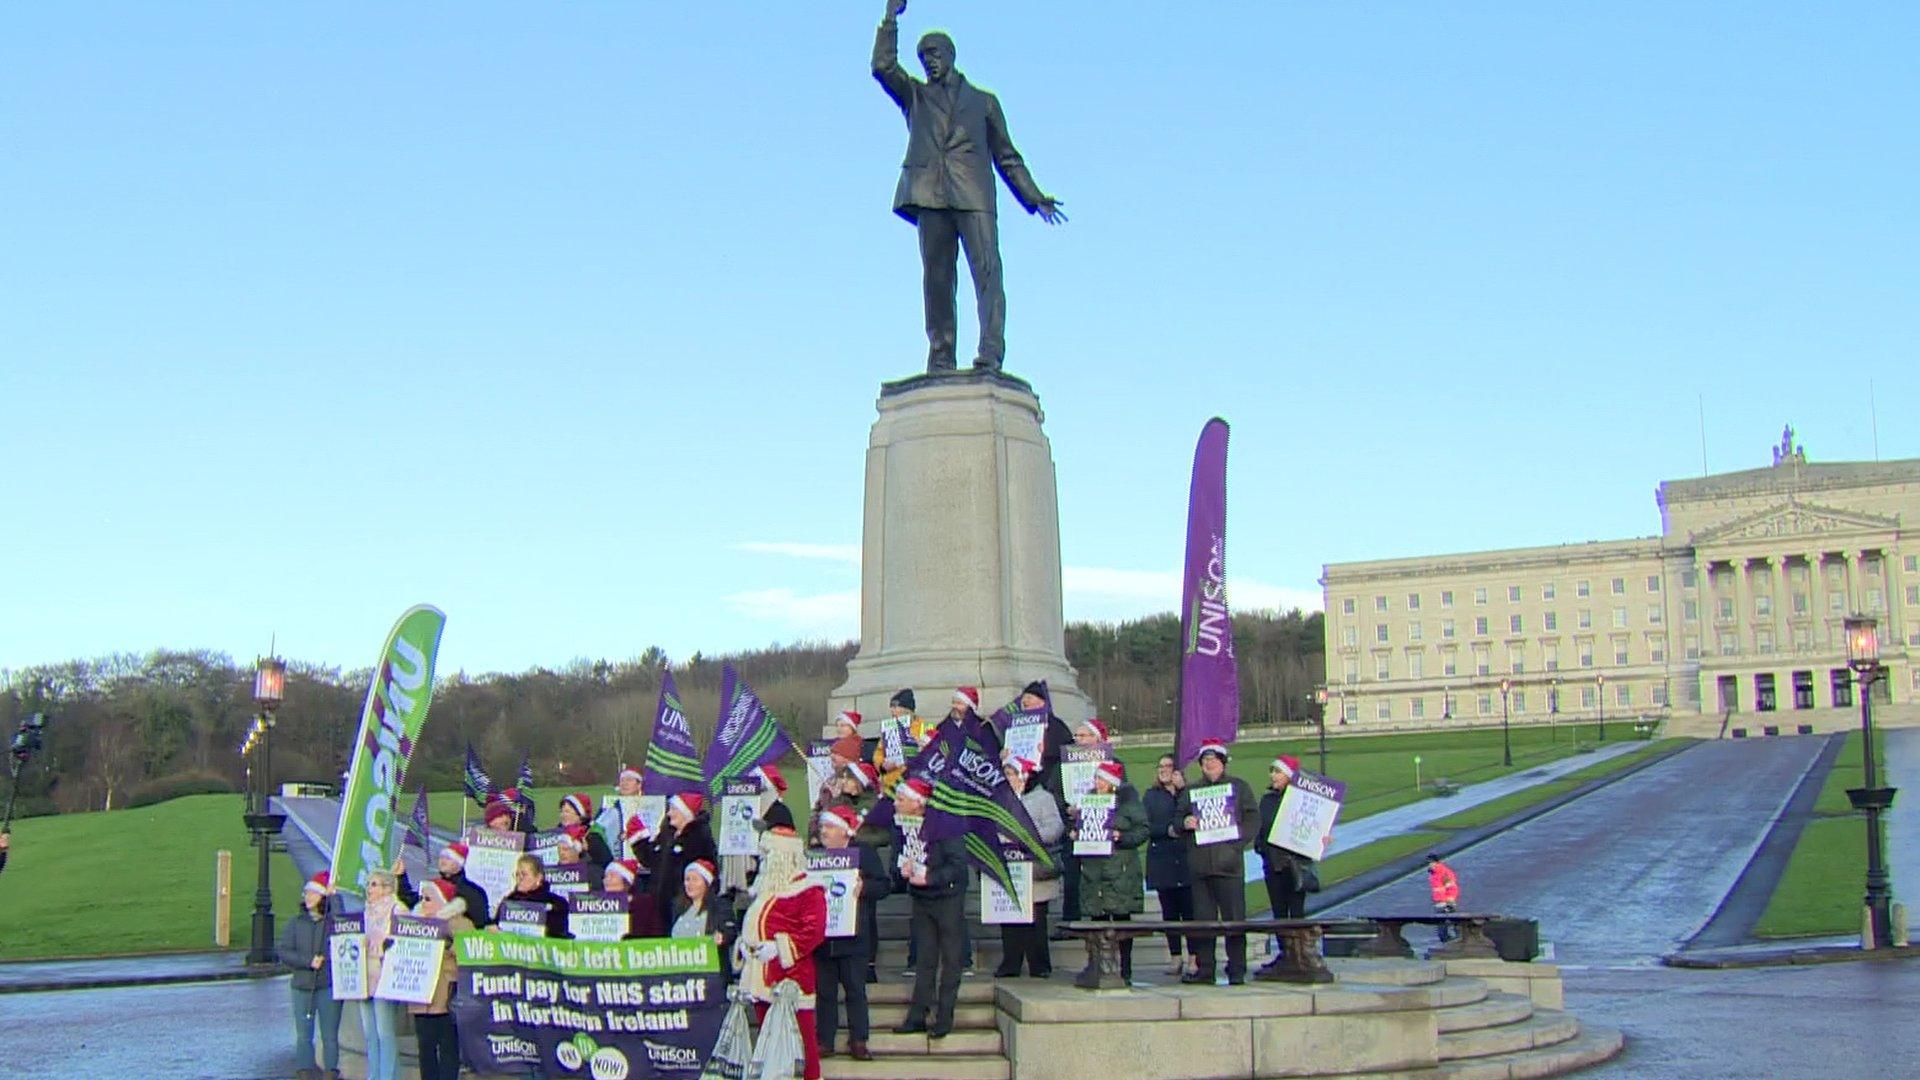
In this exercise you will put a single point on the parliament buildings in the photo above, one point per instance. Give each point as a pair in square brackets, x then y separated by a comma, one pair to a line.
[1732, 612]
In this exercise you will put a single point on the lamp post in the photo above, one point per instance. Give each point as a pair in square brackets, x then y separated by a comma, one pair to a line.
[269, 689]
[1600, 693]
[1506, 739]
[1553, 711]
[1320, 699]
[1863, 656]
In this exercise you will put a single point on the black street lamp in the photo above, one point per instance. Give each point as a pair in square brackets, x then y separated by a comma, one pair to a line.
[1506, 739]
[1600, 692]
[1553, 711]
[269, 689]
[1320, 699]
[1863, 656]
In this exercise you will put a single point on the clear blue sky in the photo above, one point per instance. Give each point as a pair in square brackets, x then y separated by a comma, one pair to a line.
[569, 318]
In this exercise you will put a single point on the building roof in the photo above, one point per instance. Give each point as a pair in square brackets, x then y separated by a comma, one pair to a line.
[1789, 477]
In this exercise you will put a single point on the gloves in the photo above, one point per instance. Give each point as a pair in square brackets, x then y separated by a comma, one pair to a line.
[766, 951]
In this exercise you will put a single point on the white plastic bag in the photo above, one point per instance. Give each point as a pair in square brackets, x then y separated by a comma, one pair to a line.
[779, 1054]
[734, 1048]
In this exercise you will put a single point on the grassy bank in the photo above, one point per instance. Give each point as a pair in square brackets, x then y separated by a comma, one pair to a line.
[1820, 892]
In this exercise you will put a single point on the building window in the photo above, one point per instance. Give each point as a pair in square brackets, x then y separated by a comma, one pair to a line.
[1519, 701]
[1552, 620]
[1346, 606]
[1446, 597]
[1729, 645]
[1349, 636]
[1726, 609]
[1413, 601]
[1380, 668]
[1513, 624]
[1449, 663]
[1351, 671]
[1655, 614]
[1380, 633]
[1480, 626]
[1623, 694]
[1916, 671]
[1836, 603]
[1763, 641]
[1693, 646]
[1384, 710]
[1763, 604]
[1656, 649]
[1417, 708]
[1486, 704]
[1413, 631]
[1585, 619]
[1690, 610]
[1620, 654]
[1913, 594]
[1446, 628]
[1379, 603]
[1620, 618]
[1480, 594]
[1653, 582]
[1660, 694]
[1586, 697]
[1349, 711]
[1873, 600]
[1513, 594]
[1546, 592]
[1913, 564]
[1416, 665]
[1619, 586]
[1800, 604]
[1689, 579]
[1482, 665]
[1552, 653]
[1586, 654]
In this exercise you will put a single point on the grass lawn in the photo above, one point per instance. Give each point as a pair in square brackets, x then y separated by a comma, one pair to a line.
[1498, 808]
[130, 881]
[1821, 890]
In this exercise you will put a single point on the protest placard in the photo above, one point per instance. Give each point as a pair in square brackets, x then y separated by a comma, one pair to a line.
[490, 859]
[913, 843]
[1026, 734]
[619, 1010]
[838, 871]
[410, 970]
[347, 954]
[1215, 807]
[598, 916]
[1094, 835]
[1077, 765]
[739, 806]
[617, 810]
[570, 878]
[545, 846]
[524, 917]
[997, 905]
[893, 740]
[1307, 812]
[819, 767]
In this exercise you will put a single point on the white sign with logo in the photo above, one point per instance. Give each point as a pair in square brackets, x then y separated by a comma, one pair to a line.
[739, 806]
[838, 871]
[998, 906]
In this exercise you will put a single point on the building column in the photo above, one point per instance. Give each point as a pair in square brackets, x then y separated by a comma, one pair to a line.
[1856, 578]
[1742, 608]
[1777, 582]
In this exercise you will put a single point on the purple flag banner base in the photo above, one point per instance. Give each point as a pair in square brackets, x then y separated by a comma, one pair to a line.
[1209, 678]
[618, 1010]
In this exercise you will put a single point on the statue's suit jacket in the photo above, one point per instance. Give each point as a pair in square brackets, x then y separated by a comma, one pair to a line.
[956, 137]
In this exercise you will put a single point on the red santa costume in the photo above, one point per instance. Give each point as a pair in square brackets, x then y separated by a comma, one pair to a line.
[786, 921]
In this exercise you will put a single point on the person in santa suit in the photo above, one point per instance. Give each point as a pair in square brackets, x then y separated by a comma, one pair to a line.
[784, 924]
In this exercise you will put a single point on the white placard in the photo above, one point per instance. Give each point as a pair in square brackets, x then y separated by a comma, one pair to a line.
[524, 917]
[599, 916]
[1077, 766]
[1026, 735]
[1307, 812]
[490, 859]
[913, 846]
[545, 846]
[1217, 810]
[738, 807]
[838, 870]
[410, 970]
[999, 906]
[1093, 835]
[347, 954]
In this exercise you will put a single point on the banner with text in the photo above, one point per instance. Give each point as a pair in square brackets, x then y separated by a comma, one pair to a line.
[1209, 675]
[839, 872]
[1307, 812]
[1217, 812]
[411, 967]
[490, 859]
[347, 948]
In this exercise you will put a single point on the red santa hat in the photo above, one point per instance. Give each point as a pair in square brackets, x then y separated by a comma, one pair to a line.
[575, 837]
[863, 772]
[628, 869]
[318, 883]
[1213, 746]
[916, 787]
[440, 886]
[637, 830]
[848, 716]
[703, 868]
[968, 697]
[844, 816]
[770, 775]
[689, 803]
[1111, 772]
[1099, 730]
[1288, 764]
[581, 802]
[628, 771]
[457, 851]
[1027, 766]
[498, 808]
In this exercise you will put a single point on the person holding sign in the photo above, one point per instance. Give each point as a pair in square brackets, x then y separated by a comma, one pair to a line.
[936, 877]
[452, 864]
[784, 924]
[841, 962]
[433, 1030]
[902, 735]
[1286, 871]
[1218, 817]
[684, 840]
[303, 948]
[643, 919]
[576, 810]
[530, 888]
[1027, 942]
[1111, 885]
[380, 1020]
[1037, 698]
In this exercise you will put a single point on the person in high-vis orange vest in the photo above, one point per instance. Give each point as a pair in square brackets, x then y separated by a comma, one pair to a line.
[1444, 885]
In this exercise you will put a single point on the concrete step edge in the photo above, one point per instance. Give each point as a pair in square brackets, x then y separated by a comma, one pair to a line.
[1545, 1028]
[1492, 1011]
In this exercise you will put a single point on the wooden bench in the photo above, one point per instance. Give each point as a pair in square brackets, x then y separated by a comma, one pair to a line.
[1299, 960]
[1470, 941]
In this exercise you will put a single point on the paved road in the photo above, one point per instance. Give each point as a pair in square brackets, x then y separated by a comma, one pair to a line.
[1903, 821]
[1629, 872]
[224, 1031]
[1828, 1020]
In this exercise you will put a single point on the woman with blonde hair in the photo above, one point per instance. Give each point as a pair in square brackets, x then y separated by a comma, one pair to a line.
[380, 1020]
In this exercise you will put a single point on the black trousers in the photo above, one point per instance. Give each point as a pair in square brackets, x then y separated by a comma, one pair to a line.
[439, 1046]
[1287, 900]
[1176, 905]
[1070, 888]
[1026, 942]
[942, 233]
[938, 926]
[836, 976]
[1223, 899]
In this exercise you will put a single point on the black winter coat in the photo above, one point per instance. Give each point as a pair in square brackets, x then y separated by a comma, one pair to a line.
[1275, 859]
[1222, 859]
[556, 907]
[1167, 850]
[672, 852]
[478, 910]
[875, 883]
[946, 870]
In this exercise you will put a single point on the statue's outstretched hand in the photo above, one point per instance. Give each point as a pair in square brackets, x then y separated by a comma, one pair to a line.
[895, 8]
[1050, 212]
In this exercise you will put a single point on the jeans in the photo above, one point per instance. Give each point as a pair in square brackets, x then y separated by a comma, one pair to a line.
[1176, 905]
[439, 1045]
[380, 1022]
[1222, 899]
[316, 1009]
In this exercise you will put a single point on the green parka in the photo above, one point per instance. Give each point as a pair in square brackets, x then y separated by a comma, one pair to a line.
[1112, 884]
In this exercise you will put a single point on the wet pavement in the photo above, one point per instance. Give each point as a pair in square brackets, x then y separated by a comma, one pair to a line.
[181, 967]
[219, 1031]
[1903, 820]
[1627, 873]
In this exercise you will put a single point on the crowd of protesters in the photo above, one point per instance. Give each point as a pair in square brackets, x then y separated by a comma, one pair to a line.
[767, 919]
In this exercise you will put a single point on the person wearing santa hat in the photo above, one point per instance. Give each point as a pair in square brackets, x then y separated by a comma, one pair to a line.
[434, 1034]
[1091, 733]
[784, 924]
[501, 814]
[379, 1018]
[452, 865]
[1111, 886]
[629, 784]
[841, 963]
[304, 950]
[572, 846]
[643, 919]
[1026, 943]
[684, 838]
[700, 912]
[1287, 873]
[935, 875]
[1218, 869]
[577, 809]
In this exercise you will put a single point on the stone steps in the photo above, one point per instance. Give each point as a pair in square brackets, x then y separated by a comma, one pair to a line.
[1544, 1028]
[1593, 1045]
[957, 1067]
[964, 1016]
[962, 1040]
[1493, 1011]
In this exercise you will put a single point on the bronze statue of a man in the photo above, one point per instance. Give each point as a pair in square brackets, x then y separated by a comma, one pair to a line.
[956, 138]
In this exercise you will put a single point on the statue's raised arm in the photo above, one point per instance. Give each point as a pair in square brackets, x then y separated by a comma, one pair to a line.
[886, 57]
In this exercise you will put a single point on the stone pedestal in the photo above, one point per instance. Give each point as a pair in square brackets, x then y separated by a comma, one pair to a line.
[960, 553]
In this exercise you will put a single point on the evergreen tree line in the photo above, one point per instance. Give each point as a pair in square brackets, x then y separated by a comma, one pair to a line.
[128, 730]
